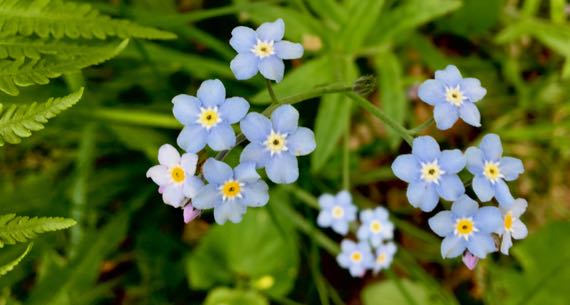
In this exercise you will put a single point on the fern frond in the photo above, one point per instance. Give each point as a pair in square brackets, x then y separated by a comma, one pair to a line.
[10, 265]
[34, 48]
[25, 72]
[14, 229]
[18, 121]
[59, 19]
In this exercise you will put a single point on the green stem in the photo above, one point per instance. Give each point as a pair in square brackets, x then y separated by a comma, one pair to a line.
[421, 127]
[302, 195]
[274, 98]
[392, 276]
[399, 129]
[346, 158]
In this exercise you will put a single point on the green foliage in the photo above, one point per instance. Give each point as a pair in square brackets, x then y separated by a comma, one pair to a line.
[14, 229]
[18, 121]
[388, 292]
[11, 265]
[234, 297]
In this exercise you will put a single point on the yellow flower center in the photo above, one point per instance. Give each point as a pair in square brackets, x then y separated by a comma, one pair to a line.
[465, 227]
[375, 226]
[454, 96]
[209, 117]
[356, 256]
[492, 171]
[337, 212]
[276, 143]
[381, 258]
[177, 174]
[431, 172]
[509, 221]
[263, 49]
[231, 189]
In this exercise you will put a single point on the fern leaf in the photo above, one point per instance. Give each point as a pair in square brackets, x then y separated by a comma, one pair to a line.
[59, 19]
[25, 72]
[14, 229]
[34, 48]
[18, 121]
[11, 265]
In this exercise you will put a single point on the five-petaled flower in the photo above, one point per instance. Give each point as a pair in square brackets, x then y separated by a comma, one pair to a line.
[490, 168]
[431, 173]
[356, 257]
[229, 192]
[336, 212]
[207, 118]
[276, 143]
[262, 50]
[512, 227]
[375, 226]
[467, 227]
[384, 256]
[453, 97]
[175, 175]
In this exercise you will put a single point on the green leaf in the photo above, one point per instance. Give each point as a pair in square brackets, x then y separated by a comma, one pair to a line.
[14, 229]
[228, 296]
[34, 48]
[361, 21]
[475, 17]
[18, 121]
[388, 292]
[554, 36]
[58, 19]
[11, 265]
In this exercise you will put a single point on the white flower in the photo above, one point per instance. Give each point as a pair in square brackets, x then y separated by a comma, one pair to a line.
[512, 225]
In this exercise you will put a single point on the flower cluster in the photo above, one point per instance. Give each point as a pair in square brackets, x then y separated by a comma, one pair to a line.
[208, 119]
[431, 174]
[374, 249]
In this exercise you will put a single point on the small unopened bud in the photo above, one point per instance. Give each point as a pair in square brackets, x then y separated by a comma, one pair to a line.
[470, 260]
[364, 85]
[190, 213]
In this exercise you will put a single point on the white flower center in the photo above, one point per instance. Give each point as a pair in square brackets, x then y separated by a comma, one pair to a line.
[375, 226]
[263, 49]
[231, 189]
[337, 212]
[276, 143]
[454, 96]
[492, 171]
[465, 227]
[208, 117]
[431, 172]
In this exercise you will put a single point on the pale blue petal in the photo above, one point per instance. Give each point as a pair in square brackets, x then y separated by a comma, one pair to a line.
[340, 227]
[519, 230]
[243, 39]
[244, 66]
[234, 109]
[192, 186]
[255, 127]
[160, 174]
[188, 161]
[432, 92]
[511, 168]
[422, 195]
[186, 108]
[192, 138]
[272, 68]
[324, 219]
[288, 50]
[326, 201]
[363, 232]
[481, 244]
[173, 195]
[450, 187]
[350, 212]
[475, 160]
[230, 210]
[271, 31]
[491, 147]
[245, 172]
[464, 207]
[217, 172]
[483, 188]
[255, 153]
[502, 192]
[302, 142]
[450, 76]
[518, 207]
[452, 161]
[285, 119]
[488, 220]
[357, 270]
[406, 168]
[471, 88]
[168, 155]
[381, 213]
[452, 246]
[212, 92]
[426, 149]
[256, 194]
[366, 216]
[343, 198]
[283, 169]
[222, 137]
[207, 197]
[506, 243]
[442, 223]
[470, 114]
[445, 115]
[347, 245]
[343, 260]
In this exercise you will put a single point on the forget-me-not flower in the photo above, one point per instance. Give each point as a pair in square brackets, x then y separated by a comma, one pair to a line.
[356, 257]
[453, 97]
[467, 227]
[375, 226]
[384, 256]
[431, 173]
[276, 143]
[208, 116]
[512, 227]
[229, 192]
[337, 212]
[490, 169]
[175, 175]
[262, 50]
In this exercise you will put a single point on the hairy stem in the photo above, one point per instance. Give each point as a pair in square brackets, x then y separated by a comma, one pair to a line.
[421, 127]
[274, 98]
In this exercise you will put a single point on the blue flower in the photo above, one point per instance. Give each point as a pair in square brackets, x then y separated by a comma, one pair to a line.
[336, 212]
[357, 258]
[490, 169]
[431, 173]
[467, 226]
[384, 256]
[512, 227]
[207, 118]
[175, 175]
[453, 97]
[229, 192]
[262, 50]
[276, 143]
[375, 227]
